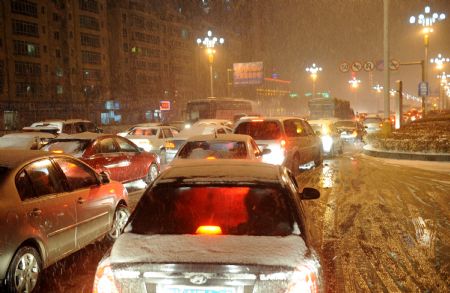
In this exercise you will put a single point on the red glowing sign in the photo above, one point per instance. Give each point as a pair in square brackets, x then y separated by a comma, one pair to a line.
[164, 105]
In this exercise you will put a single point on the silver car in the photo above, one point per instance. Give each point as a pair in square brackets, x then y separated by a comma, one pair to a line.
[216, 226]
[50, 207]
[291, 140]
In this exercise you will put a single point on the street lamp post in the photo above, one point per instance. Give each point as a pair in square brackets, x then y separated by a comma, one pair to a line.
[354, 84]
[426, 20]
[209, 42]
[442, 89]
[378, 89]
[313, 70]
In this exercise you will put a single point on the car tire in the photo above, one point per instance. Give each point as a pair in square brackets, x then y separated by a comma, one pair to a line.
[121, 215]
[24, 271]
[152, 173]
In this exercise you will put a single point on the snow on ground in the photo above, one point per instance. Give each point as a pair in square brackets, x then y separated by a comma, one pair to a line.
[443, 167]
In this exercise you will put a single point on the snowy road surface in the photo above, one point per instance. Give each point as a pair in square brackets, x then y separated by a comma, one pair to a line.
[380, 226]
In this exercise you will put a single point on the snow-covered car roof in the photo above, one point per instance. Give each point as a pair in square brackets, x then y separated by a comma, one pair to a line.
[30, 134]
[84, 135]
[271, 118]
[220, 137]
[213, 121]
[226, 170]
[323, 121]
[200, 130]
[15, 157]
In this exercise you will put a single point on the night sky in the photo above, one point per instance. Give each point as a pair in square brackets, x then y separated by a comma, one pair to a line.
[328, 32]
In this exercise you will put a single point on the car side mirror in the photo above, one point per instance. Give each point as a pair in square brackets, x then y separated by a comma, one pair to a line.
[309, 193]
[265, 152]
[104, 177]
[318, 132]
[141, 149]
[366, 126]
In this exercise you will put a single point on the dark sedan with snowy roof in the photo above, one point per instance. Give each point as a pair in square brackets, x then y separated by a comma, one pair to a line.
[215, 226]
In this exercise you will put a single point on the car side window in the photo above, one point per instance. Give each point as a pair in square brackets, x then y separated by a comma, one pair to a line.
[78, 176]
[294, 128]
[256, 149]
[107, 146]
[308, 128]
[43, 177]
[167, 133]
[126, 146]
[67, 128]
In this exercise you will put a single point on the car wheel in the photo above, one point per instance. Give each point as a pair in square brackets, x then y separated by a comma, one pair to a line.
[121, 216]
[24, 270]
[295, 164]
[152, 173]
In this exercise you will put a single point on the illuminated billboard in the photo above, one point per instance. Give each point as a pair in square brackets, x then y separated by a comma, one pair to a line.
[248, 73]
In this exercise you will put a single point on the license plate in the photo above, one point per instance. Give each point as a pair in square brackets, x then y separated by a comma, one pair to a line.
[191, 289]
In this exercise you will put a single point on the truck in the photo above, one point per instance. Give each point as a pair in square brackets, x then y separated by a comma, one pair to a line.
[320, 108]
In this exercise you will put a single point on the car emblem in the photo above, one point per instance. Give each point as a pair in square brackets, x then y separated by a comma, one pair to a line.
[198, 279]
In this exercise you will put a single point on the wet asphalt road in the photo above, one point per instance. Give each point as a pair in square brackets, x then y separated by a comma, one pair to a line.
[378, 226]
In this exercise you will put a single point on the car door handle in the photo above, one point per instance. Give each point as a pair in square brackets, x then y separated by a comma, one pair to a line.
[36, 212]
[81, 200]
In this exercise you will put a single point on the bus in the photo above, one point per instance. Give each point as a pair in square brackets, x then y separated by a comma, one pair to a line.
[219, 108]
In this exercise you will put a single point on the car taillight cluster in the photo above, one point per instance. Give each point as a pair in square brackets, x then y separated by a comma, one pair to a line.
[104, 281]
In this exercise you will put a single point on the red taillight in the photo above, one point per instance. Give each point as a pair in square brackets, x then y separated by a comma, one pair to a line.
[304, 281]
[282, 143]
[104, 281]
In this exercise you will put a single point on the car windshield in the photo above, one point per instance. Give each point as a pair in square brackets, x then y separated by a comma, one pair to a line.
[260, 130]
[345, 124]
[73, 147]
[235, 210]
[213, 150]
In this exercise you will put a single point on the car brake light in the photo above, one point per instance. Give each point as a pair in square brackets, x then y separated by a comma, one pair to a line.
[282, 143]
[209, 230]
[304, 280]
[257, 120]
[354, 134]
[210, 158]
[57, 151]
[381, 124]
[104, 281]
[169, 145]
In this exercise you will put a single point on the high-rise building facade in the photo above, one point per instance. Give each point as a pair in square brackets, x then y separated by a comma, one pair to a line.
[109, 61]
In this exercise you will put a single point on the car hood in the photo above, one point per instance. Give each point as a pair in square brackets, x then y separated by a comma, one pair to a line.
[288, 251]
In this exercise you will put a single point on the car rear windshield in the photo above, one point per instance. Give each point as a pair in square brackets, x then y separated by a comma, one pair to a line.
[73, 147]
[144, 131]
[345, 124]
[260, 130]
[233, 210]
[372, 120]
[213, 149]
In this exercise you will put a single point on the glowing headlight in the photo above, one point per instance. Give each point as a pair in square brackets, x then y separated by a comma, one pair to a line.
[327, 143]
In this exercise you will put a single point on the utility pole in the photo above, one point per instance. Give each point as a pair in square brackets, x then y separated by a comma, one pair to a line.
[387, 77]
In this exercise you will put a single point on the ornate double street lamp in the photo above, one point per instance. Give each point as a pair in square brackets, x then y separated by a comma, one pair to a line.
[209, 42]
[313, 70]
[426, 20]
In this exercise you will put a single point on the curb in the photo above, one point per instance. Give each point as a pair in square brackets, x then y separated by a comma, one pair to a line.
[406, 156]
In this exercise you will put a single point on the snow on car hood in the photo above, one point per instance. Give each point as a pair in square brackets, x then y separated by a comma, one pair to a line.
[286, 251]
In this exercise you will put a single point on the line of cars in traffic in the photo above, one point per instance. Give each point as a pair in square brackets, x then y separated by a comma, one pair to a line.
[229, 188]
